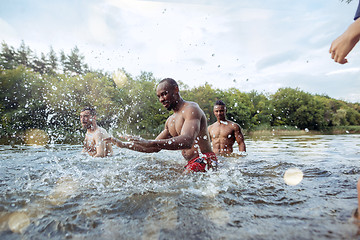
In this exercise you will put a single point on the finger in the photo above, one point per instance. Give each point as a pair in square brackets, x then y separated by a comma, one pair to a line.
[339, 59]
[343, 61]
[129, 138]
[333, 54]
[126, 137]
[134, 138]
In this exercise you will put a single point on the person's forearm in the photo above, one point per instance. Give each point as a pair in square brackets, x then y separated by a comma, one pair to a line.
[242, 147]
[118, 143]
[140, 148]
[175, 143]
[135, 147]
[354, 30]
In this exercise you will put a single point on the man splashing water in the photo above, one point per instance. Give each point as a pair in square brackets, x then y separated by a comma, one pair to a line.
[94, 143]
[185, 130]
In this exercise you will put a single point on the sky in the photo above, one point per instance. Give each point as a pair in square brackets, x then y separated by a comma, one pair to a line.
[260, 45]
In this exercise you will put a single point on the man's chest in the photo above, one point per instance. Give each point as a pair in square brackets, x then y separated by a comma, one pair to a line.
[90, 141]
[222, 131]
[175, 124]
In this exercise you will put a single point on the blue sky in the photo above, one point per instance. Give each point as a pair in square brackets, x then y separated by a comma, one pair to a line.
[251, 45]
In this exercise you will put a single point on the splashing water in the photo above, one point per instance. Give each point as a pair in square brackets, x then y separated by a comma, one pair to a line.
[56, 192]
[36, 137]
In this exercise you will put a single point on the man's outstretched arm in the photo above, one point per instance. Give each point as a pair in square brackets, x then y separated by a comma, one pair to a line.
[132, 145]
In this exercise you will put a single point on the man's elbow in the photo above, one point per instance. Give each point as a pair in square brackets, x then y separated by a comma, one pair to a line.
[187, 144]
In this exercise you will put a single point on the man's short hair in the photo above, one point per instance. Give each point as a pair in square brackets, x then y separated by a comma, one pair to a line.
[170, 81]
[219, 102]
[91, 109]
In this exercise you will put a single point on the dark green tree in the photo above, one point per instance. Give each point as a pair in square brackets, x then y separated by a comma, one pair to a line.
[74, 62]
[23, 55]
[294, 107]
[7, 57]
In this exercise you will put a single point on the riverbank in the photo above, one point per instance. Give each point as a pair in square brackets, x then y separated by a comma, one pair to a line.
[292, 131]
[40, 137]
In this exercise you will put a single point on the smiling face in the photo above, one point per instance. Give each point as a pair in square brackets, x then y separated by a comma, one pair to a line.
[87, 120]
[220, 112]
[167, 95]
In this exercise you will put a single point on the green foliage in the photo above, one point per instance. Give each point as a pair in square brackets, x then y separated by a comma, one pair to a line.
[261, 112]
[238, 107]
[204, 96]
[22, 103]
[72, 63]
[7, 57]
[294, 107]
[48, 94]
[141, 110]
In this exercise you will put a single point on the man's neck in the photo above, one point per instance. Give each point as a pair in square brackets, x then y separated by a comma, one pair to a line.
[92, 129]
[221, 121]
[179, 105]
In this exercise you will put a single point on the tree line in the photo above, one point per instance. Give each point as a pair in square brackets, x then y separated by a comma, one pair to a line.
[48, 93]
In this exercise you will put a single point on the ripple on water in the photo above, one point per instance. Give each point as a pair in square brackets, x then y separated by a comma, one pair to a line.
[132, 195]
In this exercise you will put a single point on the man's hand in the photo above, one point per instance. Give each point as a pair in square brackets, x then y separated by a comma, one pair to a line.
[139, 141]
[114, 141]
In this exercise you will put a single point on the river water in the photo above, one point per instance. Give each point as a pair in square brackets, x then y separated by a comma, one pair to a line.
[54, 192]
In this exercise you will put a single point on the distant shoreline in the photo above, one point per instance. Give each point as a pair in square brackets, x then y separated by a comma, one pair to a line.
[262, 131]
[280, 131]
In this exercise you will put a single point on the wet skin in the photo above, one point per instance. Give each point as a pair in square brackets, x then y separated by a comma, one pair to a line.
[224, 133]
[94, 143]
[185, 129]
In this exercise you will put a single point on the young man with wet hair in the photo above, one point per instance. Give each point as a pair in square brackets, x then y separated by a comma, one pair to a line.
[185, 130]
[94, 143]
[224, 133]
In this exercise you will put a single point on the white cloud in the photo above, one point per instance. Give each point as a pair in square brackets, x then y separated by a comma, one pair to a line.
[261, 45]
[341, 71]
[98, 26]
[7, 30]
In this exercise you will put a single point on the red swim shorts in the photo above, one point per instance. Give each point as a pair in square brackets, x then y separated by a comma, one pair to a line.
[198, 164]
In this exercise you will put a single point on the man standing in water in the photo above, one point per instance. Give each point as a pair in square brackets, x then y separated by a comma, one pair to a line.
[223, 132]
[94, 143]
[185, 130]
